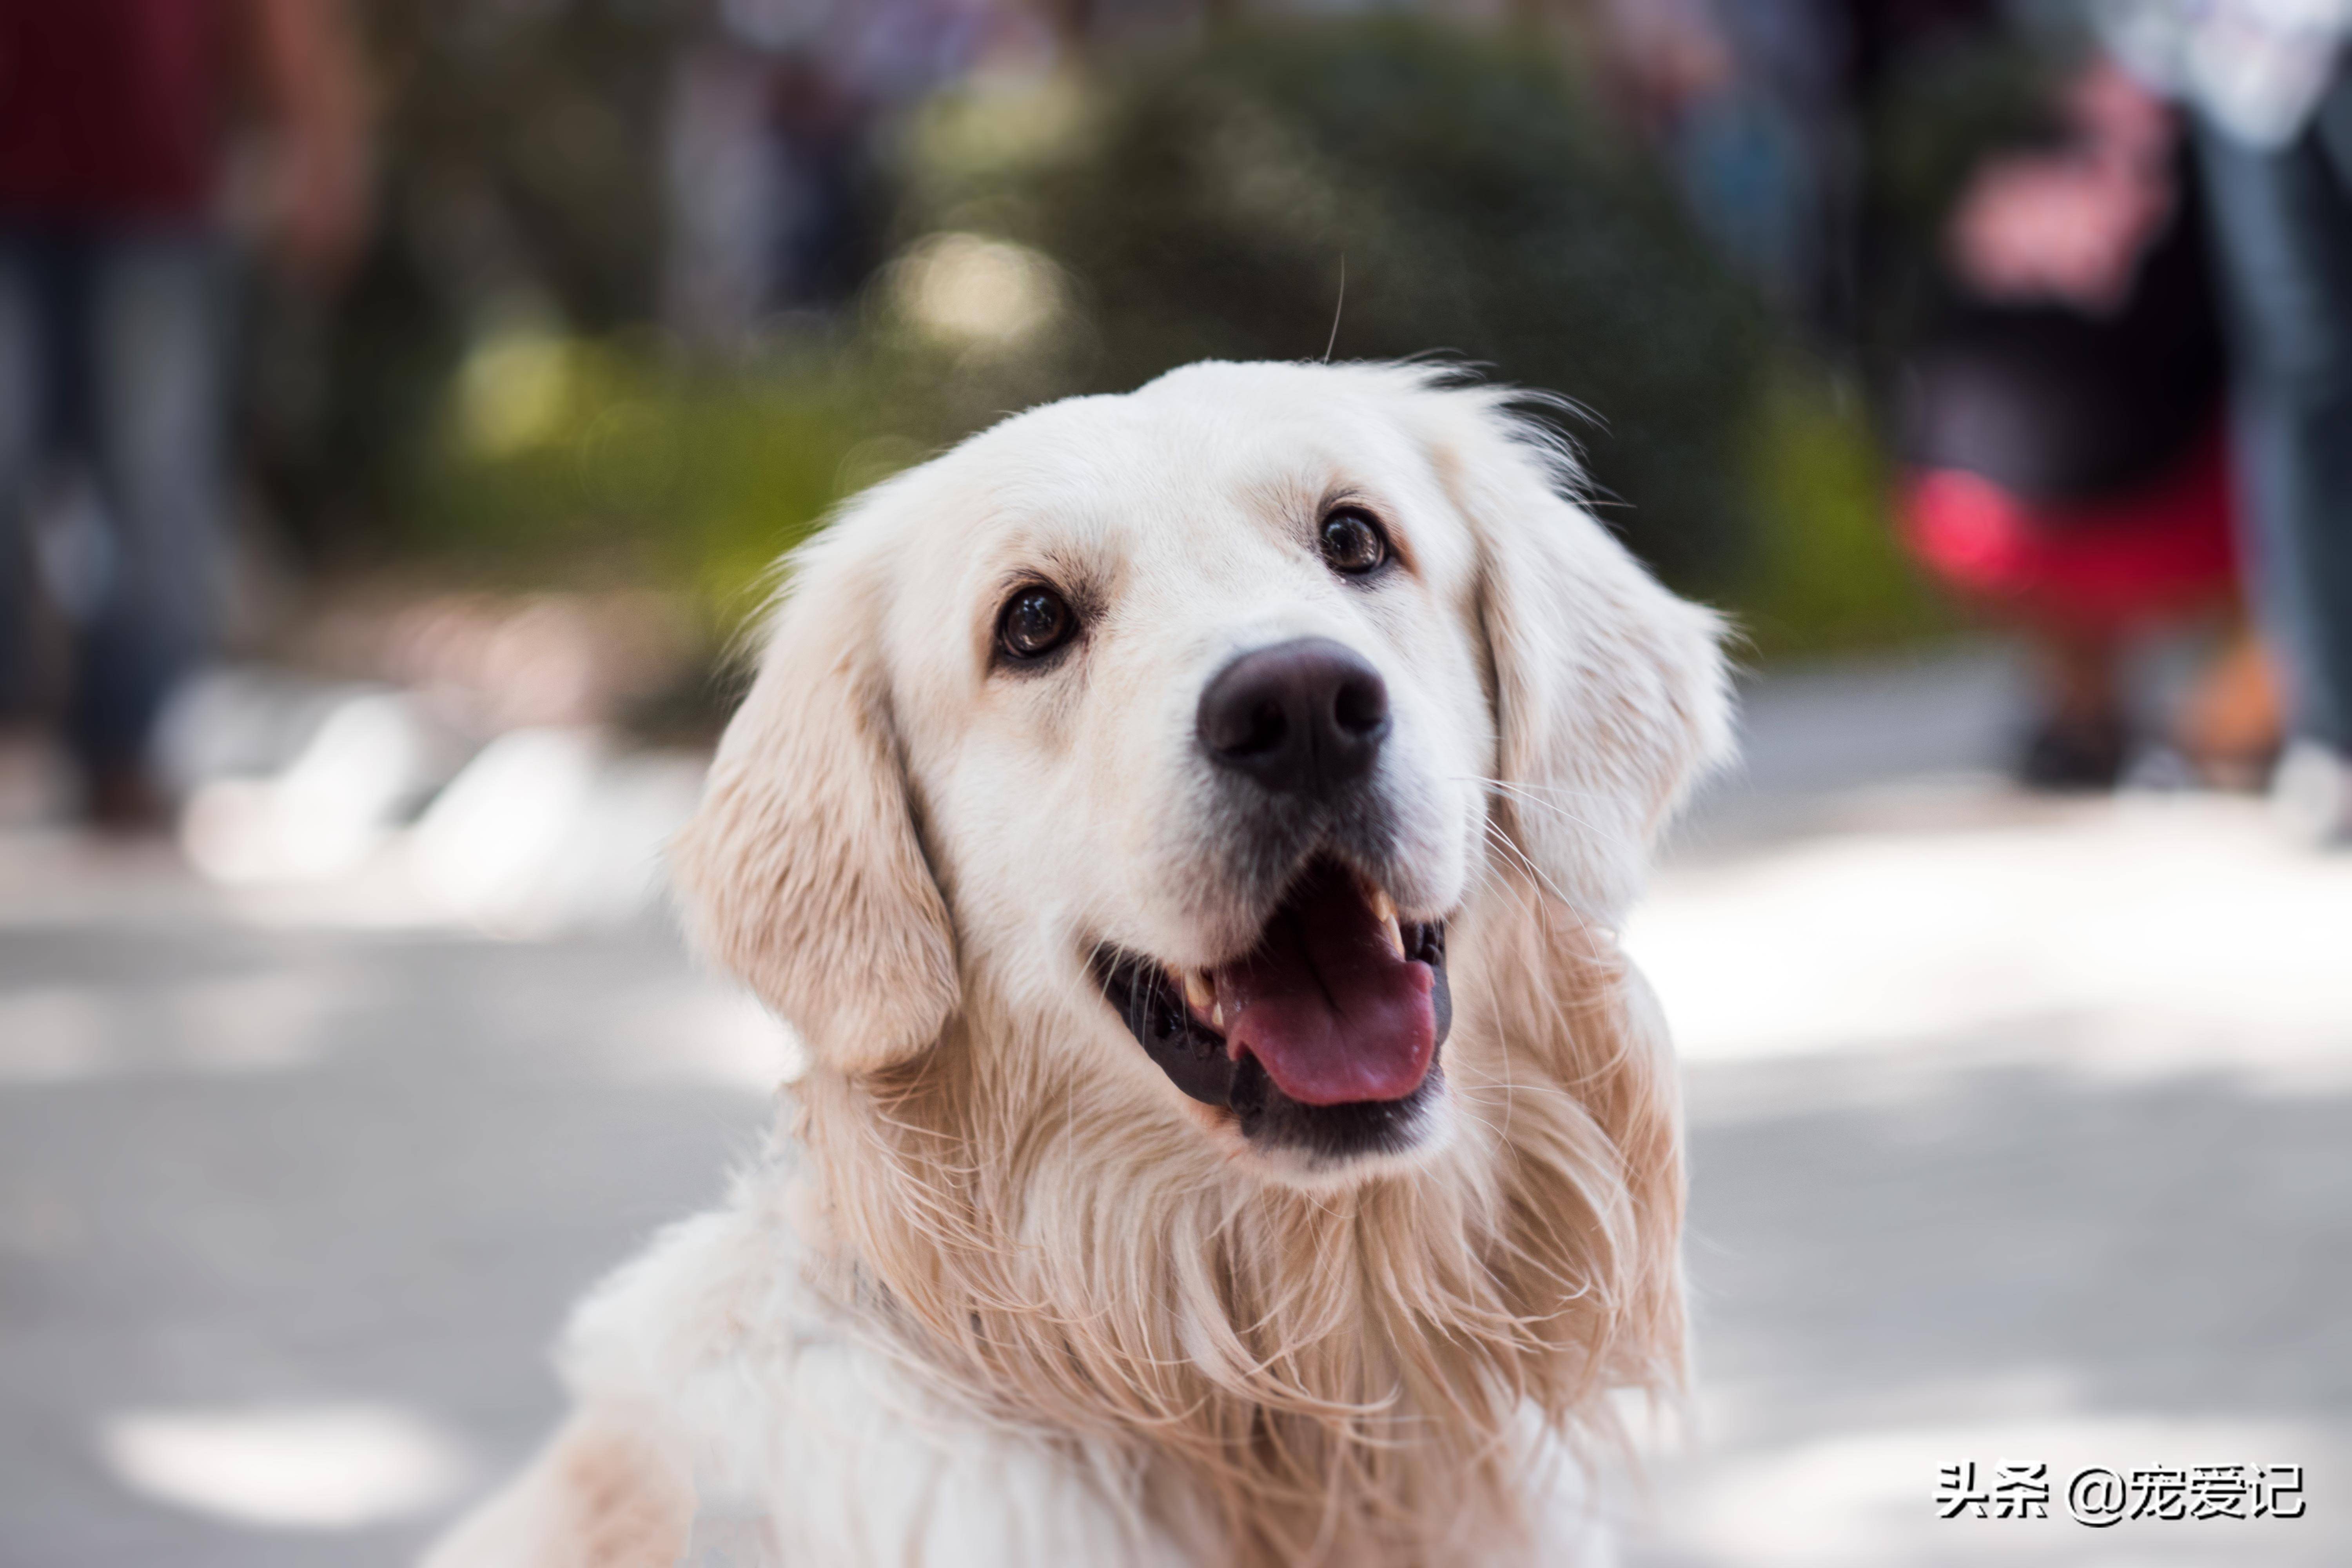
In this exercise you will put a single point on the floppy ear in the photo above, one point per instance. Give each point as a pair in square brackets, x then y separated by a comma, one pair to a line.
[1611, 694]
[801, 872]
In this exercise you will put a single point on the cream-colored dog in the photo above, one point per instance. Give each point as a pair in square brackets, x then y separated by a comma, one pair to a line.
[1187, 830]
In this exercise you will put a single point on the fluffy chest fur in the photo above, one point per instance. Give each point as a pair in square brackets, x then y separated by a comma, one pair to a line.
[1054, 1343]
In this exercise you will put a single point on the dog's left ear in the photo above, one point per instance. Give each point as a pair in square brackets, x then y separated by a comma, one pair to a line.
[1611, 694]
[801, 872]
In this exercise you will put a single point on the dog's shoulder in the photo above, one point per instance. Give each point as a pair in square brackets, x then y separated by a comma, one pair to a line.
[704, 1332]
[803, 1433]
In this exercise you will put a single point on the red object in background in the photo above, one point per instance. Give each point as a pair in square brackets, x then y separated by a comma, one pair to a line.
[111, 108]
[2160, 551]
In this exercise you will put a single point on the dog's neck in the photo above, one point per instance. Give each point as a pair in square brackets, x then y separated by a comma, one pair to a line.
[1358, 1376]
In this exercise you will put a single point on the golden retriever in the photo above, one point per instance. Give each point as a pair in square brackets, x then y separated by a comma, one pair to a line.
[1187, 830]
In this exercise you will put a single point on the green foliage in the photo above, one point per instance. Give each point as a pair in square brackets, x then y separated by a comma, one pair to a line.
[515, 419]
[519, 168]
[1829, 571]
[1205, 202]
[523, 148]
[605, 459]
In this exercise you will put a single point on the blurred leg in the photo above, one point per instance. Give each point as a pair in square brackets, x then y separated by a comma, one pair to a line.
[21, 377]
[157, 393]
[2080, 741]
[2283, 232]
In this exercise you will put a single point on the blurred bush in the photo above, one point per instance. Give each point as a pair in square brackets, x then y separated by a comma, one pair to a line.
[520, 168]
[609, 460]
[496, 404]
[1826, 572]
[1204, 204]
[1937, 115]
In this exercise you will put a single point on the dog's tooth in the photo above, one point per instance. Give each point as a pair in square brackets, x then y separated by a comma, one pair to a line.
[1217, 1016]
[1384, 915]
[1200, 990]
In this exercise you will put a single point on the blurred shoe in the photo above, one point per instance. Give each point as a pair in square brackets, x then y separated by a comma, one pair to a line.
[2233, 724]
[124, 799]
[2074, 755]
[2162, 769]
[36, 778]
[2311, 795]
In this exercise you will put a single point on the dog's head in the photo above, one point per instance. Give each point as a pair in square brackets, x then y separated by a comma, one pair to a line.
[1182, 725]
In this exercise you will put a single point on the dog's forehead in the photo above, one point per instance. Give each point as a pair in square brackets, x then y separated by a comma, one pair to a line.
[1154, 473]
[1198, 493]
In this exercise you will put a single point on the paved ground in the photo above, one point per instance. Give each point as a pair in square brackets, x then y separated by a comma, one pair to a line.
[2019, 1134]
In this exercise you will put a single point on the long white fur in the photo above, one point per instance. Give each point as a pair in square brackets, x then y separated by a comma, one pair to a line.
[1002, 1296]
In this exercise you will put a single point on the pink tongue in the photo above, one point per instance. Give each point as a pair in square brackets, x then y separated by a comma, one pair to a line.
[1324, 1002]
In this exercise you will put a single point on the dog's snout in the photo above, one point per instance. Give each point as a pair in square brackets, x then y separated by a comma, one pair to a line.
[1300, 718]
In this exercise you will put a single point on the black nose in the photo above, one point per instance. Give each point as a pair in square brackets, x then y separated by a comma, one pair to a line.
[1300, 718]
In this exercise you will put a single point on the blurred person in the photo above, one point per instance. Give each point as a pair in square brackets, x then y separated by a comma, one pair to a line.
[1739, 99]
[1765, 110]
[114, 333]
[774, 109]
[764, 138]
[2063, 427]
[2266, 87]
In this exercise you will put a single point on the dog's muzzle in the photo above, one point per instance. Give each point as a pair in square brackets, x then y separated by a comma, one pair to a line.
[1324, 1038]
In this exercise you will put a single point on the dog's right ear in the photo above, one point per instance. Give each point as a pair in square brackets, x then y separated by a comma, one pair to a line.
[801, 872]
[1611, 694]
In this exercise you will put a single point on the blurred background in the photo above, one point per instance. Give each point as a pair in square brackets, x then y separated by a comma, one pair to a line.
[403, 403]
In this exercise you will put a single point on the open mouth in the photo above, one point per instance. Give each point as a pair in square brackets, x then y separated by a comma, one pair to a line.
[1323, 1036]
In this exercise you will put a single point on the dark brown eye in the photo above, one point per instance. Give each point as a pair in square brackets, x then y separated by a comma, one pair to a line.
[1353, 542]
[1035, 622]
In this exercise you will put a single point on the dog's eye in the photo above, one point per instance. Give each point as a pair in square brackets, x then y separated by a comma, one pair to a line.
[1352, 541]
[1035, 622]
